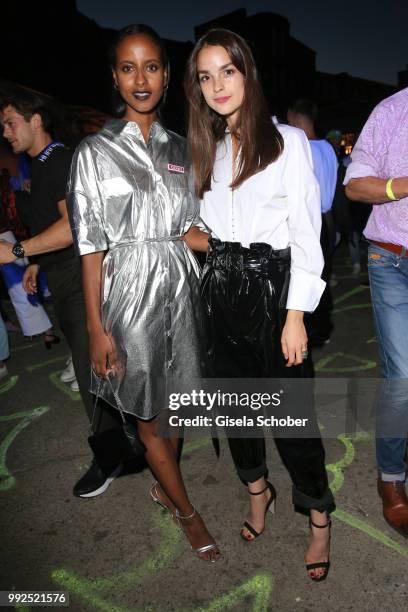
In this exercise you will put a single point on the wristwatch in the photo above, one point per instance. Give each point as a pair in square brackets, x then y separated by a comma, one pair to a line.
[18, 250]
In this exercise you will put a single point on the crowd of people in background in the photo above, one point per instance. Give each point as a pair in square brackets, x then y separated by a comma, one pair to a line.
[134, 211]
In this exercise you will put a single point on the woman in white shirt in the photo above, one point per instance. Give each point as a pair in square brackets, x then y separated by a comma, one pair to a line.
[260, 202]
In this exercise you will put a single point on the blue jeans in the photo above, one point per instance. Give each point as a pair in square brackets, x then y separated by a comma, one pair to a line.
[388, 274]
[4, 345]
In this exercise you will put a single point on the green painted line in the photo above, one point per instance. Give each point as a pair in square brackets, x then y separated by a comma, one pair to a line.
[24, 347]
[170, 539]
[338, 467]
[345, 296]
[361, 364]
[351, 307]
[259, 586]
[9, 384]
[378, 535]
[66, 389]
[43, 364]
[348, 457]
[83, 588]
[7, 481]
[19, 415]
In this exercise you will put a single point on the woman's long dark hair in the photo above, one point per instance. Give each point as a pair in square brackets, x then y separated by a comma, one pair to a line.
[260, 141]
[119, 105]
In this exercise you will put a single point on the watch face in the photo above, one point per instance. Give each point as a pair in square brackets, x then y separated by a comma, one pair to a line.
[18, 250]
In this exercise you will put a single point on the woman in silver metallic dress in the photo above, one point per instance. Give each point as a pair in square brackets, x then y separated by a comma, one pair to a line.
[130, 209]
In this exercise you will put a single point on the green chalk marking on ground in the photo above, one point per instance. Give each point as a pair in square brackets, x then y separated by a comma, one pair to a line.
[360, 364]
[170, 538]
[338, 467]
[351, 307]
[378, 535]
[55, 379]
[9, 384]
[345, 296]
[24, 347]
[347, 459]
[259, 586]
[43, 364]
[7, 481]
[84, 588]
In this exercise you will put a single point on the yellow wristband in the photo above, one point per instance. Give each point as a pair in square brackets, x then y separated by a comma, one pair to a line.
[389, 191]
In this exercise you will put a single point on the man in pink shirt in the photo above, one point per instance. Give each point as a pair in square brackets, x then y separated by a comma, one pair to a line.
[378, 174]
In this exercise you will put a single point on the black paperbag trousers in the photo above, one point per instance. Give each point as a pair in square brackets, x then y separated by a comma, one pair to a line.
[244, 293]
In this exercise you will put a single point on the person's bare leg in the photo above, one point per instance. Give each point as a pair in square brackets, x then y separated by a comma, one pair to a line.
[162, 460]
[319, 546]
[157, 490]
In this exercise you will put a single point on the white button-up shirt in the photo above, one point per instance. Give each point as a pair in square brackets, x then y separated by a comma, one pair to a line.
[279, 206]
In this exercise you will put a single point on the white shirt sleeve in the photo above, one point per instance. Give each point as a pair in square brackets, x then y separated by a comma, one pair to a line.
[304, 223]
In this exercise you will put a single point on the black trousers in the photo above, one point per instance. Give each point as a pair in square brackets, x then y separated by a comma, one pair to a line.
[244, 293]
[108, 442]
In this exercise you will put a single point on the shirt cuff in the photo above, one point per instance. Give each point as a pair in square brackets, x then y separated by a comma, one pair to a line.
[358, 170]
[305, 291]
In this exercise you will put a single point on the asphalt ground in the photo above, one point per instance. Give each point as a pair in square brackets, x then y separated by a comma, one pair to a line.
[118, 552]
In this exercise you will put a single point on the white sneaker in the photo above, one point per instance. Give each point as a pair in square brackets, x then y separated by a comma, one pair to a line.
[74, 385]
[68, 375]
[3, 371]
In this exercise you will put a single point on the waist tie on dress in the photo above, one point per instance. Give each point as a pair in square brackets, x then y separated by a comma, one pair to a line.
[115, 245]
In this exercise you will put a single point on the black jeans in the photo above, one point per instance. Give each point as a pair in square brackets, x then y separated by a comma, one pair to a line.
[108, 442]
[244, 293]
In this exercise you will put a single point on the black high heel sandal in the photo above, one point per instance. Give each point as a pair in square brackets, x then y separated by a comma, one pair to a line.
[320, 564]
[271, 505]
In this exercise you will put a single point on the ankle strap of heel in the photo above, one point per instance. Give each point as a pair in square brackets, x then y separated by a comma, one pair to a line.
[259, 492]
[312, 524]
[185, 516]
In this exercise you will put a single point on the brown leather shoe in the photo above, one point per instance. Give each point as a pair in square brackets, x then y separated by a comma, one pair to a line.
[395, 505]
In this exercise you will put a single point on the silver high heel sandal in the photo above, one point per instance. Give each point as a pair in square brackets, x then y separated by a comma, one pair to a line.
[156, 499]
[201, 549]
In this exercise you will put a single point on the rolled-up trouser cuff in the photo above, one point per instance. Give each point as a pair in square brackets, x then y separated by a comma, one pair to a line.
[401, 477]
[253, 474]
[303, 503]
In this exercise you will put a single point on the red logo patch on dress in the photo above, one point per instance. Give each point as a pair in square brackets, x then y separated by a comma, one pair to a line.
[174, 168]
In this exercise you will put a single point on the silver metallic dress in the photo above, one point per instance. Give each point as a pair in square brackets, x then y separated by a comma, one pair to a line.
[135, 201]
